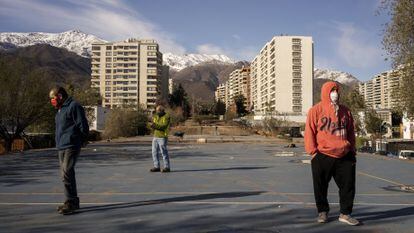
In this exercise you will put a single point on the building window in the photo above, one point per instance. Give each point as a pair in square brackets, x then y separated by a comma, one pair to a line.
[96, 47]
[108, 59]
[297, 108]
[108, 53]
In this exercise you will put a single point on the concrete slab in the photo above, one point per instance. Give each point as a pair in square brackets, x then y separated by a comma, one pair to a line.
[220, 187]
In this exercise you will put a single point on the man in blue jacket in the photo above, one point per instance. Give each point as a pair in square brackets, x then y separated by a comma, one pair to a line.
[71, 132]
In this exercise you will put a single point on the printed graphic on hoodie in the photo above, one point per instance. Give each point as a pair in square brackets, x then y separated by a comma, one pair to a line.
[334, 128]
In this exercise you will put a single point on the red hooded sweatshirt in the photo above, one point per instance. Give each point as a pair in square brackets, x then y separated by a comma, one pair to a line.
[326, 132]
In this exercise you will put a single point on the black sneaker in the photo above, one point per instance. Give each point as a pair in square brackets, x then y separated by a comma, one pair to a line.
[68, 208]
[167, 169]
[155, 169]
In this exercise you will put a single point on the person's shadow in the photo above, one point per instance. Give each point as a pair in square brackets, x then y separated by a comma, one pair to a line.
[221, 169]
[379, 215]
[199, 197]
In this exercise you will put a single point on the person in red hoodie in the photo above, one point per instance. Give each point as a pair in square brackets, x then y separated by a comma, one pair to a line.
[330, 139]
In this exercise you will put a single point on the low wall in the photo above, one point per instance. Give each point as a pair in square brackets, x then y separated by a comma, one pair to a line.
[211, 130]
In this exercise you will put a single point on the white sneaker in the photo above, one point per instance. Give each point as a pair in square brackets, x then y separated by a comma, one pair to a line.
[323, 217]
[348, 220]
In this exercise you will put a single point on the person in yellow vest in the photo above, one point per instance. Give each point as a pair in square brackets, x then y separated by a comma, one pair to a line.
[160, 125]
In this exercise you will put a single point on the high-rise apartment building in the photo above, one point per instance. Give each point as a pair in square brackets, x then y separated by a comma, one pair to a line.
[378, 92]
[221, 93]
[282, 77]
[128, 72]
[238, 84]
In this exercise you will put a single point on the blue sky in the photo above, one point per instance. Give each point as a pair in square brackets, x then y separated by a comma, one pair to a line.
[346, 34]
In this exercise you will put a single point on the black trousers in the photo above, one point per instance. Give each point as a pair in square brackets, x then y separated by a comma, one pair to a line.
[343, 171]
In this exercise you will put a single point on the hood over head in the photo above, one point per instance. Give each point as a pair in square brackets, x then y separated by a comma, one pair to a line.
[326, 91]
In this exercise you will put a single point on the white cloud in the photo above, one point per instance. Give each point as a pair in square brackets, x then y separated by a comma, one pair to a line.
[109, 19]
[356, 47]
[210, 49]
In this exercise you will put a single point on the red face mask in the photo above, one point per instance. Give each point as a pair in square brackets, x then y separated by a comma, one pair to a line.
[55, 103]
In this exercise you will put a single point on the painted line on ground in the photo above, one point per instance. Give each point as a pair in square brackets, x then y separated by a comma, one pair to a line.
[206, 203]
[379, 178]
[193, 193]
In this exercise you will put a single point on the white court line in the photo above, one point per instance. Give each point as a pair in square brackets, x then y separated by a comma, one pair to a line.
[379, 178]
[208, 203]
[195, 193]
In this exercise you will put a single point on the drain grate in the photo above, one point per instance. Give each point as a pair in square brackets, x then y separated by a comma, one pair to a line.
[401, 188]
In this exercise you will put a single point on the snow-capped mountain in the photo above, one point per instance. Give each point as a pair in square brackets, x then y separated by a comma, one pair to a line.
[74, 40]
[341, 77]
[81, 43]
[179, 62]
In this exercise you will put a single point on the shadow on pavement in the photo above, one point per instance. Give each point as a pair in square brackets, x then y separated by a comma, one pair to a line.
[381, 215]
[199, 197]
[221, 169]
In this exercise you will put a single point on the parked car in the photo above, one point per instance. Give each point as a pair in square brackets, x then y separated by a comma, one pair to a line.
[366, 149]
[406, 154]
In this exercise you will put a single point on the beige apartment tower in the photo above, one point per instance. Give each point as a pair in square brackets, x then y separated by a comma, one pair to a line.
[378, 92]
[238, 84]
[128, 73]
[221, 93]
[282, 78]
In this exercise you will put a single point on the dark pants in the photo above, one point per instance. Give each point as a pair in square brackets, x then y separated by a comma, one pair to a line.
[67, 161]
[343, 171]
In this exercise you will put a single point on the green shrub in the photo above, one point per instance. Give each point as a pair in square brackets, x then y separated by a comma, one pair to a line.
[126, 122]
[360, 142]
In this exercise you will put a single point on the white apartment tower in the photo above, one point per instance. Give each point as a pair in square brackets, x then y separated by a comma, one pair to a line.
[282, 77]
[128, 72]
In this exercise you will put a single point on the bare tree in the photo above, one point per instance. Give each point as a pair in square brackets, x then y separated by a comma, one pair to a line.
[398, 41]
[23, 100]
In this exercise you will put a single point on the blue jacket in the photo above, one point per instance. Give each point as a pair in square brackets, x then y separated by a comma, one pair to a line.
[71, 125]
